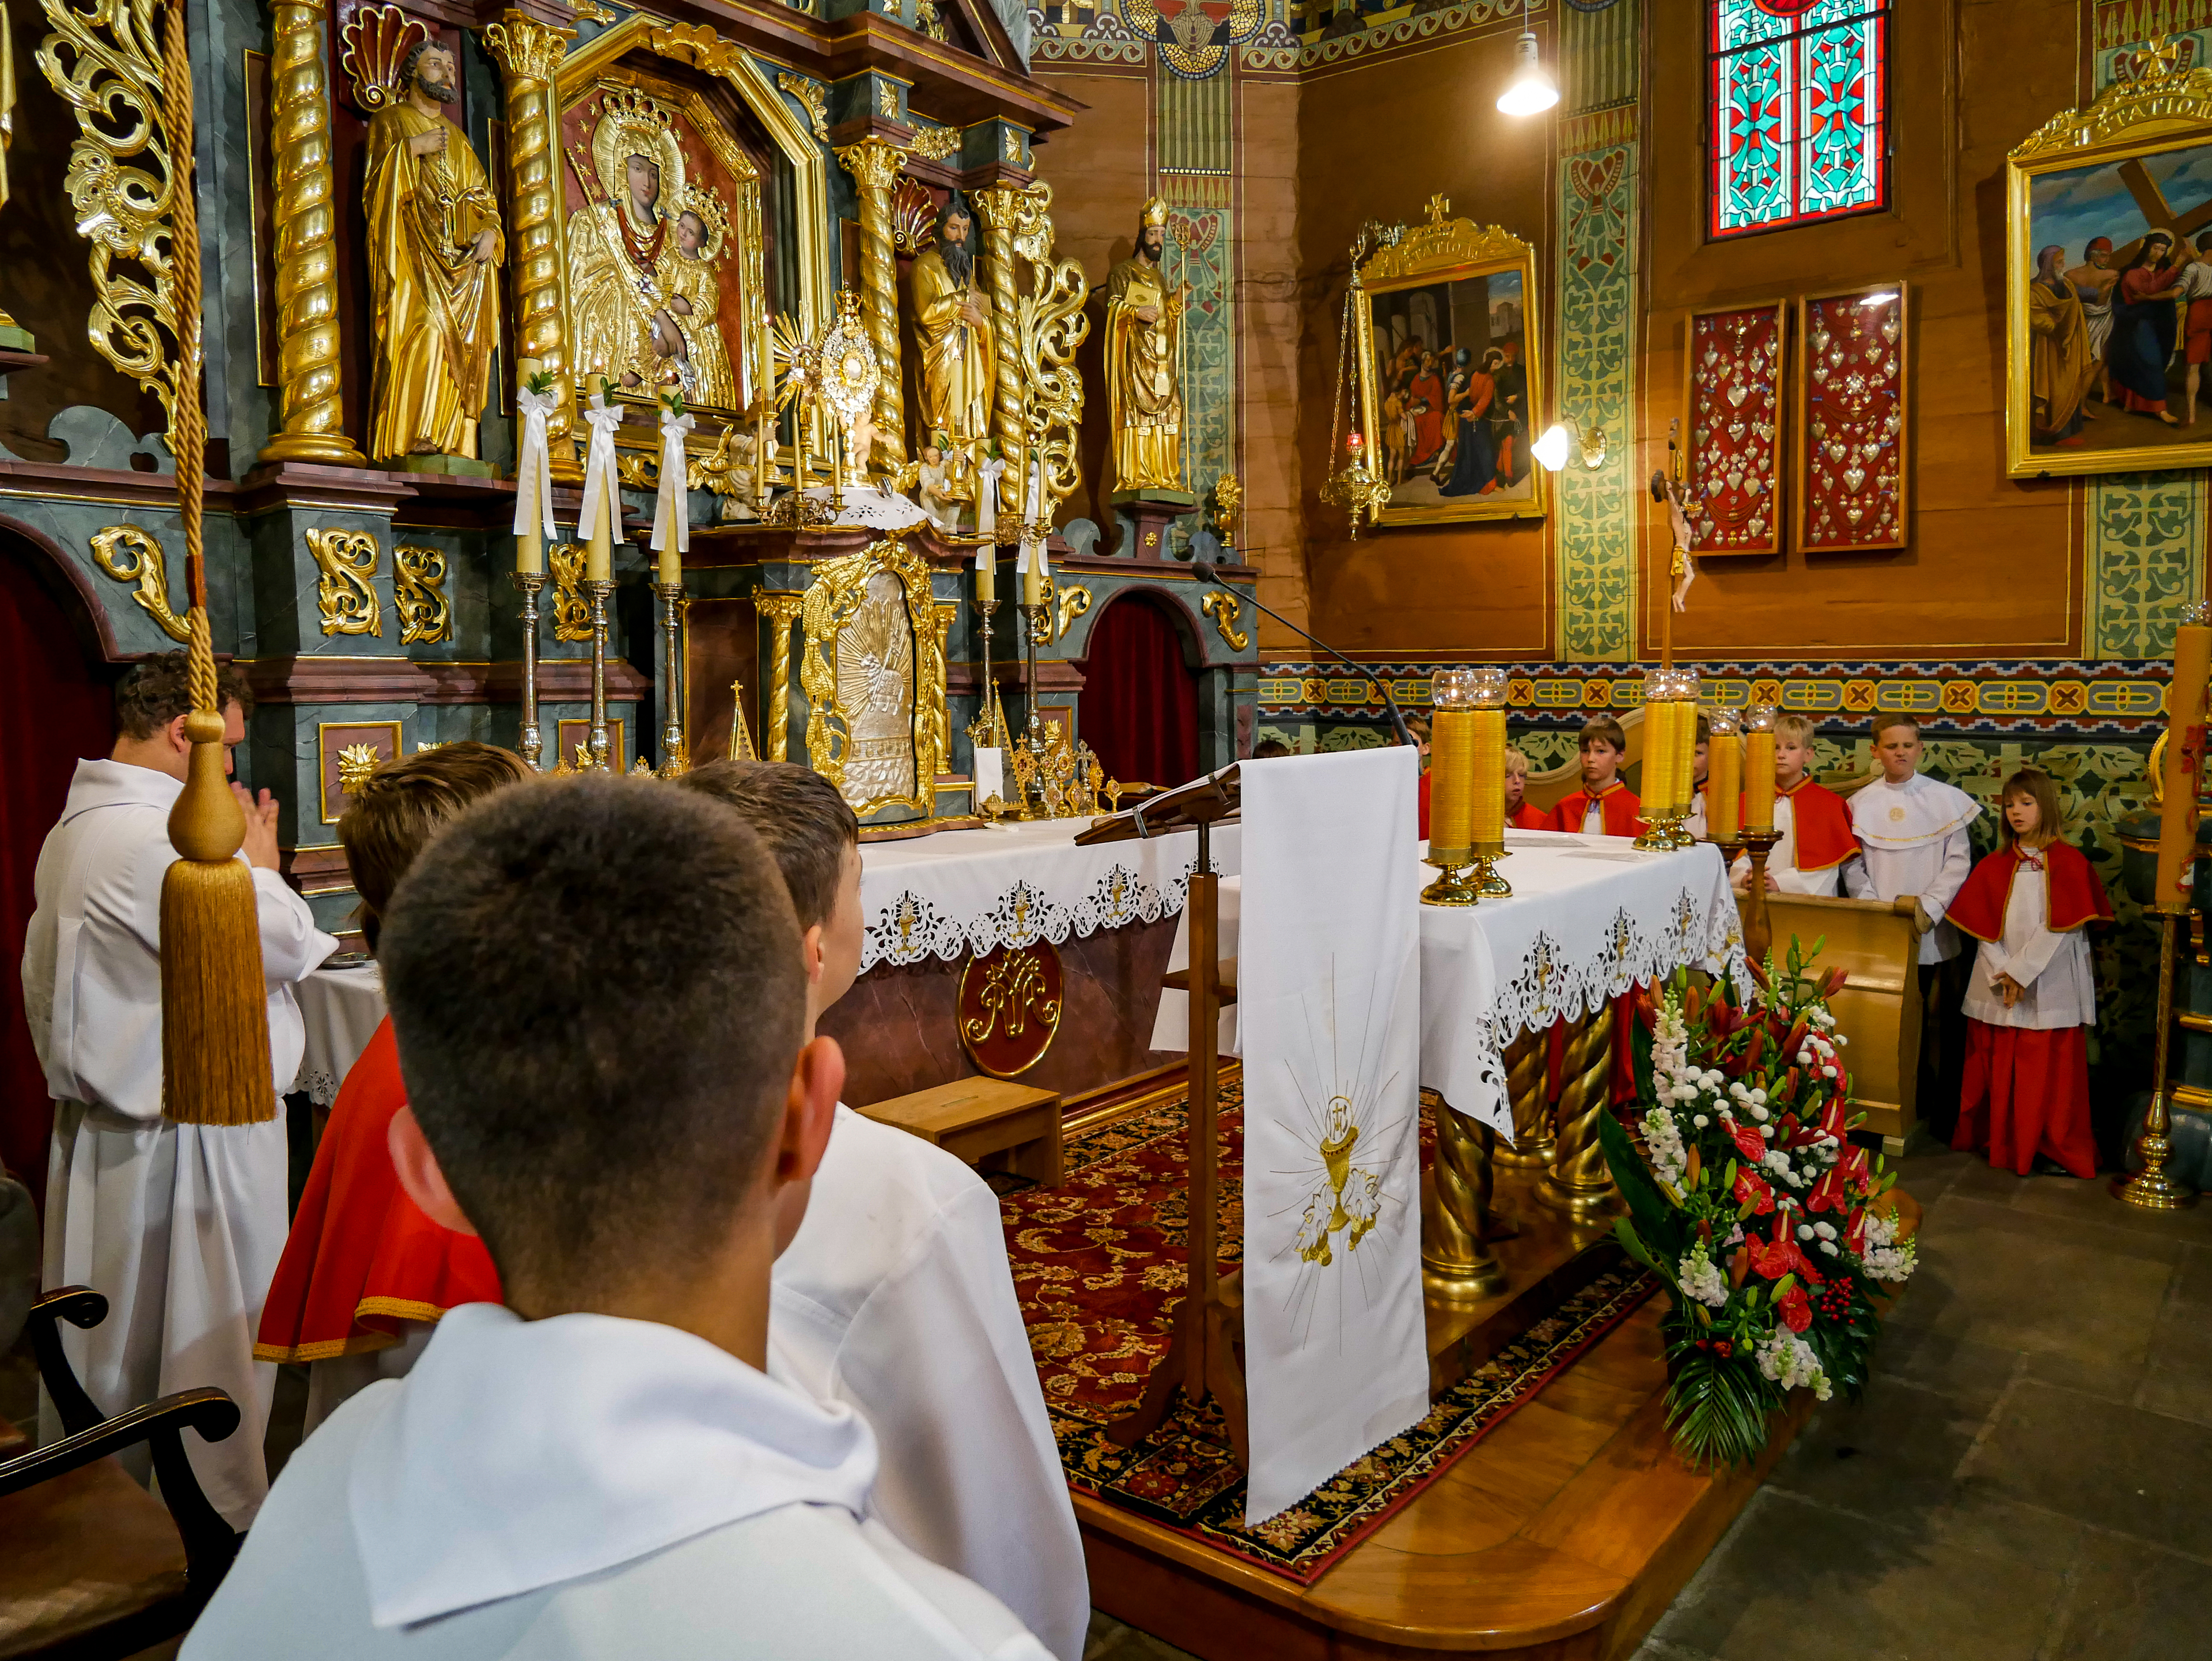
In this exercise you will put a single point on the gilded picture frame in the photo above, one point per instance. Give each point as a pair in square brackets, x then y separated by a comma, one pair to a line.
[2093, 351]
[885, 759]
[1451, 373]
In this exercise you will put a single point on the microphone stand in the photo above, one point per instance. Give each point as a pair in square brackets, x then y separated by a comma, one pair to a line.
[1208, 572]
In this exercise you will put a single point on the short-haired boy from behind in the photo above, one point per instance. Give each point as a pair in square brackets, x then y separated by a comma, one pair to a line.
[614, 1096]
[895, 1295]
[1604, 806]
[1521, 814]
[1811, 820]
[365, 1276]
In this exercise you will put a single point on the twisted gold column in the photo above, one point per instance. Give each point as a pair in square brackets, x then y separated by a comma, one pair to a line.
[311, 413]
[875, 167]
[529, 53]
[999, 207]
[782, 611]
[1455, 1263]
[1527, 1077]
[1579, 1183]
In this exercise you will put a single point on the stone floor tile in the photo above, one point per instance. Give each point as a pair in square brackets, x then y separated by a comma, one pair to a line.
[2126, 1601]
[2116, 1468]
[2093, 1202]
[1971, 1372]
[1797, 1580]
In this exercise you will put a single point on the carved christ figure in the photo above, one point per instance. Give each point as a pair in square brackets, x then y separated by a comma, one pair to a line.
[1144, 334]
[434, 241]
[960, 364]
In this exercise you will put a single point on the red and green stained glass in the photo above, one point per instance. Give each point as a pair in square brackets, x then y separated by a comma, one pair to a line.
[1799, 111]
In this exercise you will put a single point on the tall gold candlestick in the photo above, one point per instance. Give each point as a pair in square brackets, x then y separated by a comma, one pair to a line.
[1451, 787]
[1724, 799]
[1759, 768]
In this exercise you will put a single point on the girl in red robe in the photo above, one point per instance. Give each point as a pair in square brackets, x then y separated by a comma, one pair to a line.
[2032, 997]
[365, 1276]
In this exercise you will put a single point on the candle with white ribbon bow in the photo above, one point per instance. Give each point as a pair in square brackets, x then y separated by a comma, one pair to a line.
[672, 507]
[600, 521]
[533, 473]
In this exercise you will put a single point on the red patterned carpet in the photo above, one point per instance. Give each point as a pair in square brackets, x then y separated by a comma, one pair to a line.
[1099, 1263]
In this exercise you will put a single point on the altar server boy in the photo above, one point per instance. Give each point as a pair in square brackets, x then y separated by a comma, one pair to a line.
[896, 1296]
[178, 1226]
[1520, 815]
[1700, 764]
[2032, 996]
[1813, 824]
[619, 1096]
[1604, 806]
[1914, 836]
[365, 1276]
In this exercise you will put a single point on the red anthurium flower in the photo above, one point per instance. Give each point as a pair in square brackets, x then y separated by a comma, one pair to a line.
[1747, 1140]
[1778, 1255]
[1795, 1309]
[1830, 1193]
[1751, 1187]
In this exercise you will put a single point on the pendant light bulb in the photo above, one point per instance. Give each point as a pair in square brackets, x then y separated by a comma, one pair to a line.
[1532, 90]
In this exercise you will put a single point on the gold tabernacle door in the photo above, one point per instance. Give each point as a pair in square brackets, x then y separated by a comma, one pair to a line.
[873, 670]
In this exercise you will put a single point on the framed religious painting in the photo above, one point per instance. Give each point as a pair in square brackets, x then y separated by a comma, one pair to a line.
[1733, 399]
[1450, 373]
[1853, 481]
[2108, 279]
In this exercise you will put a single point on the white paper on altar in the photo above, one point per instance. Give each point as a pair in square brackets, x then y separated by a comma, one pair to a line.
[990, 775]
[1328, 988]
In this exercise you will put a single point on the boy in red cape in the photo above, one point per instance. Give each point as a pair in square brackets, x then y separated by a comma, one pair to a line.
[2032, 997]
[365, 1276]
[1812, 821]
[1520, 814]
[1604, 805]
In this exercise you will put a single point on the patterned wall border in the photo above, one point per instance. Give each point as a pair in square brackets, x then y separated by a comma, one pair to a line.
[1069, 33]
[2040, 698]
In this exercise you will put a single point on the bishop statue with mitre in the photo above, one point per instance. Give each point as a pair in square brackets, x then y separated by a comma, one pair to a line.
[433, 243]
[1144, 362]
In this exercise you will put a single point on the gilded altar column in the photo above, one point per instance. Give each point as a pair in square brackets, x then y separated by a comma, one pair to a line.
[529, 54]
[874, 165]
[999, 208]
[779, 611]
[311, 414]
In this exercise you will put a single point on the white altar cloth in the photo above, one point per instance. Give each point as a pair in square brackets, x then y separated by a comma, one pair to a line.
[959, 892]
[341, 1005]
[1589, 917]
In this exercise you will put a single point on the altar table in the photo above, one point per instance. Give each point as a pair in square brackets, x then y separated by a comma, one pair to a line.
[1589, 917]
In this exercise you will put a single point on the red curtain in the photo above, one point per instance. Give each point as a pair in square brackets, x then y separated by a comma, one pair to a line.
[60, 707]
[1138, 708]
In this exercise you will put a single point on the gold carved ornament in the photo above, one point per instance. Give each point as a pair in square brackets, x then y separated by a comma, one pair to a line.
[887, 99]
[936, 143]
[927, 21]
[591, 9]
[913, 217]
[1011, 992]
[572, 612]
[344, 593]
[129, 555]
[376, 42]
[1228, 499]
[840, 588]
[1223, 608]
[418, 583]
[356, 762]
[1071, 603]
[1052, 325]
[812, 99]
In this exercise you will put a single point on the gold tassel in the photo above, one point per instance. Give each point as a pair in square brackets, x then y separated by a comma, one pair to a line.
[216, 1068]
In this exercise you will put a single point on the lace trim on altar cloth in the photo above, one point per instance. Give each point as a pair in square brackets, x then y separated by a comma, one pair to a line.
[913, 928]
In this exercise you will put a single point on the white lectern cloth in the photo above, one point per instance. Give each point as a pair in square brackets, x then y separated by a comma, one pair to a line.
[1328, 990]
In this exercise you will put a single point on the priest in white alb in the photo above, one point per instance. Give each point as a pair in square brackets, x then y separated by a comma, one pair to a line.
[178, 1225]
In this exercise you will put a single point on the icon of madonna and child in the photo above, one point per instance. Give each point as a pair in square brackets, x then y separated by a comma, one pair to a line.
[646, 305]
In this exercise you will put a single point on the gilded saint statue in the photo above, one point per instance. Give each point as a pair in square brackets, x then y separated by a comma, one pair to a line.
[433, 243]
[645, 297]
[13, 336]
[959, 365]
[1144, 362]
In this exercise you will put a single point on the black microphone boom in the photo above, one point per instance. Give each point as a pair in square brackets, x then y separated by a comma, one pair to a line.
[1207, 571]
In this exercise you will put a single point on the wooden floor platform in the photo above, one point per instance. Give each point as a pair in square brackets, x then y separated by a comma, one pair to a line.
[1562, 1535]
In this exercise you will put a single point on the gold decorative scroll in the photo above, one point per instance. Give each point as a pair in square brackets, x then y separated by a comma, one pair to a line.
[572, 612]
[344, 592]
[310, 410]
[780, 611]
[104, 60]
[2162, 97]
[1074, 601]
[846, 680]
[875, 167]
[810, 93]
[1054, 325]
[128, 555]
[1222, 607]
[1439, 244]
[418, 594]
[528, 55]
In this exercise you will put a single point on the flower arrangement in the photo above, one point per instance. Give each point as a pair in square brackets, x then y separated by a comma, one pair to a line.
[1749, 1200]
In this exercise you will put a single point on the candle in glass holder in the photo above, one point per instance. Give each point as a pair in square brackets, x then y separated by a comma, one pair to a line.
[1724, 801]
[1659, 711]
[1685, 692]
[1486, 686]
[1452, 767]
[1759, 768]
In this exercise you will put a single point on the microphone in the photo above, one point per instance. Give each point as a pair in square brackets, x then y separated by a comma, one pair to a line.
[1207, 571]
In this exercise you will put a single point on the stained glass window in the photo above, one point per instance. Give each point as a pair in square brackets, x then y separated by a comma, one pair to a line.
[1798, 111]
